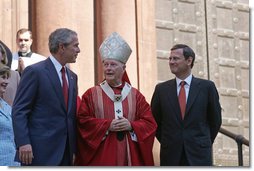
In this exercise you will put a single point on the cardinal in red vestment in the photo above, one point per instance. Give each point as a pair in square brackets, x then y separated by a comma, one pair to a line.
[115, 123]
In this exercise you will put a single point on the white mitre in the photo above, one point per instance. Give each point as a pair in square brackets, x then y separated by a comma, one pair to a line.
[115, 47]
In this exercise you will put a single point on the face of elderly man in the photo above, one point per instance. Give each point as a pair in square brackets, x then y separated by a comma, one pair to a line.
[113, 71]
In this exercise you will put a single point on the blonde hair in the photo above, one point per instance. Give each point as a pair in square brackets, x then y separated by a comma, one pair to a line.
[4, 54]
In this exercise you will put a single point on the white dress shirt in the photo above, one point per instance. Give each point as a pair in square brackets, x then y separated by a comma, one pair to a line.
[186, 86]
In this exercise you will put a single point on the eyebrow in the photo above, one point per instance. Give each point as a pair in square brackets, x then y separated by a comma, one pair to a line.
[23, 39]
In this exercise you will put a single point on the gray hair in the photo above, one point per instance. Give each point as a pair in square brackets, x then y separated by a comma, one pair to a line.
[60, 36]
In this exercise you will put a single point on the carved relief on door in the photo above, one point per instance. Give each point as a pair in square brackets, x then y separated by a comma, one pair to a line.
[218, 31]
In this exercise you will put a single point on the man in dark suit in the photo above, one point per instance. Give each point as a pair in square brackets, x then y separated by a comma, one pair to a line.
[44, 108]
[188, 114]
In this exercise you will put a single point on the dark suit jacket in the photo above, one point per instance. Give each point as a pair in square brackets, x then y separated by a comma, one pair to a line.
[39, 113]
[196, 132]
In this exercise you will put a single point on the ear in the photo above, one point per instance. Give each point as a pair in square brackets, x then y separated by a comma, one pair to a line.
[61, 46]
[189, 60]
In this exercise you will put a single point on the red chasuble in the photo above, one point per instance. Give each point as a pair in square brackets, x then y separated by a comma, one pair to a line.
[98, 147]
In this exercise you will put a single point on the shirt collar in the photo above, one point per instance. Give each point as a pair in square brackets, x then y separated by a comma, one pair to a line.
[187, 80]
[26, 54]
[57, 65]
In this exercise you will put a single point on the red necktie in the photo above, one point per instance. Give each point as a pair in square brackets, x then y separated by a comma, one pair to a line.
[65, 87]
[182, 99]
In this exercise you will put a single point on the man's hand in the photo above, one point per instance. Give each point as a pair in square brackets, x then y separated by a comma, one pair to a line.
[21, 65]
[26, 154]
[120, 124]
[73, 159]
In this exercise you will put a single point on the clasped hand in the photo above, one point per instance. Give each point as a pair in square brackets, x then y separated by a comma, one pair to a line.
[120, 124]
[21, 65]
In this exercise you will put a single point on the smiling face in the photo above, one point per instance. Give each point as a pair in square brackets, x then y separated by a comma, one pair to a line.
[3, 83]
[113, 71]
[180, 66]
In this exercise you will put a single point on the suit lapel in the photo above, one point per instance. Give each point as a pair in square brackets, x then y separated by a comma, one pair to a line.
[173, 98]
[194, 90]
[70, 89]
[54, 79]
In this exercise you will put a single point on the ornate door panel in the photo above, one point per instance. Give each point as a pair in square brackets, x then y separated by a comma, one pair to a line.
[181, 21]
[218, 31]
[228, 56]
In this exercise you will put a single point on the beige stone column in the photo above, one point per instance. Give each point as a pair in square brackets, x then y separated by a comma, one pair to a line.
[134, 20]
[78, 15]
[146, 51]
[14, 15]
[146, 46]
[117, 16]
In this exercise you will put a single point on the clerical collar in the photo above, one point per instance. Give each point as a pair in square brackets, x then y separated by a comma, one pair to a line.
[22, 54]
[119, 85]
